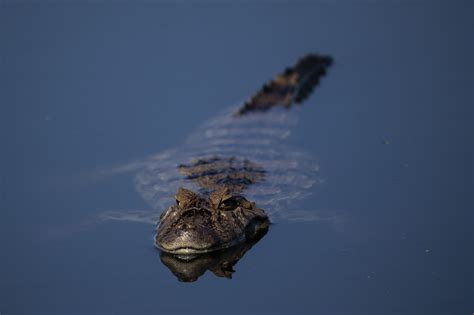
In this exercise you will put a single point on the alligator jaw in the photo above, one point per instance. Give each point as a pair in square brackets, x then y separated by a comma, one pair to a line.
[186, 251]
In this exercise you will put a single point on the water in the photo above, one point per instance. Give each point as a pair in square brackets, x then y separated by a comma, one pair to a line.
[91, 86]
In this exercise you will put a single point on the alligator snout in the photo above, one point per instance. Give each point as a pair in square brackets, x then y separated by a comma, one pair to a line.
[191, 232]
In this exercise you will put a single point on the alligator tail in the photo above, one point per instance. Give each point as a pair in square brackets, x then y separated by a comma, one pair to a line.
[292, 86]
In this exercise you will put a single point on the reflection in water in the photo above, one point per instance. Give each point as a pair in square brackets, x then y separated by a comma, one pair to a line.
[189, 268]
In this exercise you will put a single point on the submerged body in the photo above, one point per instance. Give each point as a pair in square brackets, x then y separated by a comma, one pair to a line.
[218, 216]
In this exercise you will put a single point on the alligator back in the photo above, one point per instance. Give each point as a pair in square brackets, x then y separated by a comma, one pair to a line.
[244, 149]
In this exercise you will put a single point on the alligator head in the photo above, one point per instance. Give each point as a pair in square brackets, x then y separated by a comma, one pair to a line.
[200, 224]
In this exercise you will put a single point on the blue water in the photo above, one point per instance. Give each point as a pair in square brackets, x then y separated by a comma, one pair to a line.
[86, 86]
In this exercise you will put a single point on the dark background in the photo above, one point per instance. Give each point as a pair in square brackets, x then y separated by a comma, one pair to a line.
[87, 85]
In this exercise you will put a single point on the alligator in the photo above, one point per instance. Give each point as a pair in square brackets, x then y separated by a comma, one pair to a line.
[229, 170]
[220, 216]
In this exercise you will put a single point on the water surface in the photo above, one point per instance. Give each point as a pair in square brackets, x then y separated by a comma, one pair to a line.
[89, 86]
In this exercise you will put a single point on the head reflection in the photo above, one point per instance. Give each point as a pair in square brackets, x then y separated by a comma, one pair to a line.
[188, 268]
